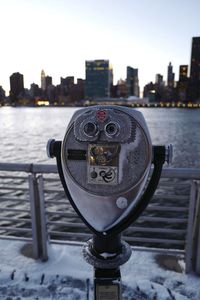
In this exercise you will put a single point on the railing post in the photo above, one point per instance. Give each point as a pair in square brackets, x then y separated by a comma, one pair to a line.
[192, 256]
[189, 237]
[38, 218]
[197, 233]
[43, 232]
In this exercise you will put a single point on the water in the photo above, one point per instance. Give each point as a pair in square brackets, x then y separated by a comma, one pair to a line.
[24, 132]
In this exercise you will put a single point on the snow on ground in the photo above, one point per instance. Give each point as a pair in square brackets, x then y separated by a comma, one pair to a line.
[67, 276]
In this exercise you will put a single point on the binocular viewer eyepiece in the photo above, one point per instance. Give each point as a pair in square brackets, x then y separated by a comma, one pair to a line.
[91, 129]
[104, 162]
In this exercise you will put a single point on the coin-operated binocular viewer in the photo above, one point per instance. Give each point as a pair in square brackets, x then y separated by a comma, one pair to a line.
[104, 163]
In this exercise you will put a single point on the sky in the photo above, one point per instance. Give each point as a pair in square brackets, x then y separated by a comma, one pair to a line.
[60, 35]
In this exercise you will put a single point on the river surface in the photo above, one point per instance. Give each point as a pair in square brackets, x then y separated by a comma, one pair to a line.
[24, 132]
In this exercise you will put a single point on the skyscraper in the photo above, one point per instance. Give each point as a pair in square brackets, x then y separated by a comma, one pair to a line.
[43, 81]
[182, 84]
[195, 70]
[35, 90]
[68, 81]
[132, 82]
[48, 81]
[98, 79]
[2, 94]
[183, 73]
[16, 86]
[159, 80]
[170, 76]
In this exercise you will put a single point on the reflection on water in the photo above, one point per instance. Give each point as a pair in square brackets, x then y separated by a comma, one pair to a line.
[179, 127]
[24, 132]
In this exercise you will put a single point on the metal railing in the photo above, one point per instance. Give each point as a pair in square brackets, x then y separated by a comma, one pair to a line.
[34, 208]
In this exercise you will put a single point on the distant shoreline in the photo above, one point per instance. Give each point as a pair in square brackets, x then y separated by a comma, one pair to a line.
[131, 105]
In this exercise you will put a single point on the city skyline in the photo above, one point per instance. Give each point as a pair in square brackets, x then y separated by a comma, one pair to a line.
[165, 77]
[40, 83]
[58, 36]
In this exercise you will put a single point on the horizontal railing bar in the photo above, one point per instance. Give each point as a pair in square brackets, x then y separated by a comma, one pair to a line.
[68, 224]
[70, 234]
[49, 179]
[14, 210]
[16, 229]
[158, 219]
[67, 242]
[187, 173]
[155, 230]
[172, 185]
[171, 197]
[13, 199]
[174, 198]
[10, 219]
[18, 167]
[158, 250]
[52, 190]
[57, 202]
[13, 177]
[166, 208]
[15, 238]
[28, 168]
[128, 239]
[135, 229]
[64, 214]
[44, 168]
[153, 240]
[13, 188]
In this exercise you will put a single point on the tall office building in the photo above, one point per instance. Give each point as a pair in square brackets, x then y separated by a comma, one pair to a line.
[132, 82]
[159, 80]
[170, 76]
[35, 90]
[183, 73]
[16, 86]
[43, 81]
[2, 94]
[98, 79]
[182, 84]
[195, 70]
[48, 81]
[122, 88]
[68, 81]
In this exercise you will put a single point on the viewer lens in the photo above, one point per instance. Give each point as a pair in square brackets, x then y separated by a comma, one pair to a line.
[111, 129]
[90, 129]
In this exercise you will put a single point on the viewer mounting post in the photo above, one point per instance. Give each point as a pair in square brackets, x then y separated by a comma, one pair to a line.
[104, 163]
